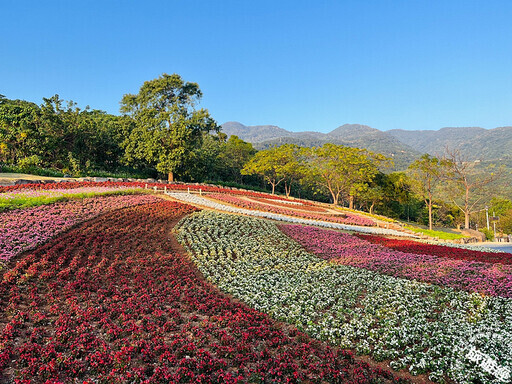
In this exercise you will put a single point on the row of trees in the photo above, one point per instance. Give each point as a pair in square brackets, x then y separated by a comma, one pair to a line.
[339, 170]
[348, 173]
[452, 177]
[160, 131]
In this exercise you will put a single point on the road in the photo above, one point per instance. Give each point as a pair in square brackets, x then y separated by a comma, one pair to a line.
[505, 247]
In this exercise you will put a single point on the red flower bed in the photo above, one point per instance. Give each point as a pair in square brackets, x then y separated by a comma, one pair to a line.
[114, 301]
[303, 206]
[416, 247]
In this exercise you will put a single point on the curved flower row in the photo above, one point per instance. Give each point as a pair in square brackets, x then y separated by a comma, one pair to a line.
[291, 204]
[201, 201]
[424, 327]
[112, 301]
[23, 229]
[458, 253]
[490, 279]
[349, 219]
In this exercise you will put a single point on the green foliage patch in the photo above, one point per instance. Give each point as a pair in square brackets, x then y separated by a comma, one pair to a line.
[25, 201]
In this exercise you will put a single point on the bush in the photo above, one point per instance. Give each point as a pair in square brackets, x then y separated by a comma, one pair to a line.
[29, 162]
[489, 234]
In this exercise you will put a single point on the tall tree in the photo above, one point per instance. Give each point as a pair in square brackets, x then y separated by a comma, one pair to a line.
[342, 171]
[167, 125]
[292, 168]
[426, 174]
[234, 155]
[466, 181]
[363, 167]
[274, 164]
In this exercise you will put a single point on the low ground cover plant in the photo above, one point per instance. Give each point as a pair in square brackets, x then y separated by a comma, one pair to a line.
[433, 233]
[114, 301]
[424, 328]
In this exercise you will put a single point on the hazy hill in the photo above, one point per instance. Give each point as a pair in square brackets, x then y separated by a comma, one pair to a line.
[254, 134]
[434, 142]
[401, 145]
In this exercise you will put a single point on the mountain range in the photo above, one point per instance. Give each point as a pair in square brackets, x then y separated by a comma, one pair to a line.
[403, 146]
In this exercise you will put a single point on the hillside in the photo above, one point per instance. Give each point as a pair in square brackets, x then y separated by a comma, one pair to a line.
[478, 143]
[352, 135]
[401, 145]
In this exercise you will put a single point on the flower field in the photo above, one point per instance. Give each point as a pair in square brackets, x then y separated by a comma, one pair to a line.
[425, 328]
[303, 206]
[114, 301]
[217, 205]
[23, 198]
[98, 290]
[253, 205]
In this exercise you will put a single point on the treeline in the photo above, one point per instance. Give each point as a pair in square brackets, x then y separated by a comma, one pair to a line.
[60, 136]
[162, 134]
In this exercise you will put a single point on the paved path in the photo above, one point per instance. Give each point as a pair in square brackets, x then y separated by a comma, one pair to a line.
[504, 247]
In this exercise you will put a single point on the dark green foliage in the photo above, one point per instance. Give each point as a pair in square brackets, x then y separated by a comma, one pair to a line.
[66, 139]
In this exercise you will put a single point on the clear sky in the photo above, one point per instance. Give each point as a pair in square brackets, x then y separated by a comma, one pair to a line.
[301, 65]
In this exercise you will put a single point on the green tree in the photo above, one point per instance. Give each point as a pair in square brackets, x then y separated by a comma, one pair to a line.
[363, 168]
[272, 164]
[19, 133]
[506, 222]
[342, 171]
[426, 174]
[466, 183]
[293, 168]
[167, 125]
[500, 206]
[234, 155]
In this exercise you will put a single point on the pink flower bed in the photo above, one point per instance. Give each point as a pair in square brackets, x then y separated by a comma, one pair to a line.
[23, 229]
[473, 276]
[349, 219]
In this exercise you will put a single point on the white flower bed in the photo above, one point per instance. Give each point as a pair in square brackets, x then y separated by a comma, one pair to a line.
[198, 200]
[422, 327]
[270, 201]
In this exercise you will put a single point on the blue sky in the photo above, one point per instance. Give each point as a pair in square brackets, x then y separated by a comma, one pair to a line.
[301, 65]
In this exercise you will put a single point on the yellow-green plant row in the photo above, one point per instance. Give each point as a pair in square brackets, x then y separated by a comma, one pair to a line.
[417, 326]
[26, 198]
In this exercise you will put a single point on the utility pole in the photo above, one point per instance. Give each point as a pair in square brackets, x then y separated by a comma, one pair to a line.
[487, 215]
[494, 224]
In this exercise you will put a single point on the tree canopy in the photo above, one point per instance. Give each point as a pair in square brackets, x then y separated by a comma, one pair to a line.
[426, 174]
[167, 125]
[343, 171]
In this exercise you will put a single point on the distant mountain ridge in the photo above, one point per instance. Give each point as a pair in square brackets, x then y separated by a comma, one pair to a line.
[401, 145]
